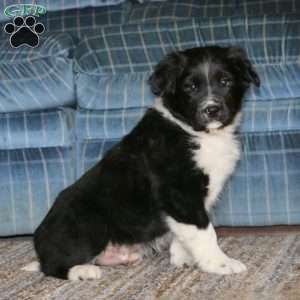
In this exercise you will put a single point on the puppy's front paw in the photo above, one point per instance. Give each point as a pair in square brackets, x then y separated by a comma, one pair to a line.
[180, 261]
[83, 272]
[179, 256]
[222, 265]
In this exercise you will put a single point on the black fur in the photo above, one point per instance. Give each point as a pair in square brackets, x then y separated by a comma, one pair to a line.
[179, 76]
[148, 175]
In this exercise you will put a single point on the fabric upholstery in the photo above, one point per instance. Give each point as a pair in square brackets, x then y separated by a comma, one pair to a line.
[31, 179]
[280, 114]
[54, 5]
[81, 22]
[264, 189]
[154, 11]
[113, 71]
[37, 78]
[68, 101]
[36, 129]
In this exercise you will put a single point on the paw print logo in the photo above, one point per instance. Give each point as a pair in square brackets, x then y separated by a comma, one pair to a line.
[24, 31]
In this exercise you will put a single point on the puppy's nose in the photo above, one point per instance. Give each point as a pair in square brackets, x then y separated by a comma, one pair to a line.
[212, 110]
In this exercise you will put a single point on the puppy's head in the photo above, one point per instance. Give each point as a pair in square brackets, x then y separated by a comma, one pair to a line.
[204, 86]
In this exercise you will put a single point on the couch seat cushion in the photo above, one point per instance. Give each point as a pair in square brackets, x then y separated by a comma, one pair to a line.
[264, 189]
[30, 181]
[103, 124]
[37, 129]
[36, 78]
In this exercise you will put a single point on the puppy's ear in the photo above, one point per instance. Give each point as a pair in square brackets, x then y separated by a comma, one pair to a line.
[241, 62]
[163, 79]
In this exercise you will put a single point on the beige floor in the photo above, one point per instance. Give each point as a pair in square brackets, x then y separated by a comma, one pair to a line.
[273, 273]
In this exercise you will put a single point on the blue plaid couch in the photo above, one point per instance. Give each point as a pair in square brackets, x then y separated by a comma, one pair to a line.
[66, 102]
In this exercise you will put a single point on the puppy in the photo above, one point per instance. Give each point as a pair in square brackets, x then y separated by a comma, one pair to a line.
[162, 177]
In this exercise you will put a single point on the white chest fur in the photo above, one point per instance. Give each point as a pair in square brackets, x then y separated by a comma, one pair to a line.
[217, 156]
[218, 152]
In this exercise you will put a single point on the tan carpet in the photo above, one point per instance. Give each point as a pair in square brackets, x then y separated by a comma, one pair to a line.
[273, 273]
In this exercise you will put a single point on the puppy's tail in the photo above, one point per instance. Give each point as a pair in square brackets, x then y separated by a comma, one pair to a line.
[32, 267]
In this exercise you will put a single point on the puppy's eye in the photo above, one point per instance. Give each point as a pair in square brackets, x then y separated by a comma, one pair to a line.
[193, 87]
[225, 81]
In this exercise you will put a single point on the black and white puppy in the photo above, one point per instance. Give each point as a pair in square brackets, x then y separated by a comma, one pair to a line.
[163, 176]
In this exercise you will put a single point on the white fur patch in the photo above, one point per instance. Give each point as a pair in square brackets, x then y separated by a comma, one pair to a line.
[179, 256]
[32, 267]
[214, 125]
[217, 156]
[83, 272]
[218, 152]
[204, 249]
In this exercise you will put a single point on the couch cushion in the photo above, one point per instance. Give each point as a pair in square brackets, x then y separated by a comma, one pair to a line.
[271, 115]
[91, 151]
[14, 7]
[153, 11]
[264, 189]
[36, 78]
[103, 124]
[80, 22]
[277, 115]
[113, 91]
[114, 64]
[36, 129]
[267, 7]
[30, 181]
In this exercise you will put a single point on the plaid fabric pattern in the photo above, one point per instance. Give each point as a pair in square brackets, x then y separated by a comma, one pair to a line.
[268, 116]
[272, 44]
[153, 11]
[36, 78]
[106, 124]
[113, 62]
[265, 7]
[113, 91]
[36, 129]
[90, 152]
[33, 178]
[61, 45]
[55, 5]
[264, 189]
[80, 22]
[120, 91]
[277, 115]
[136, 48]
